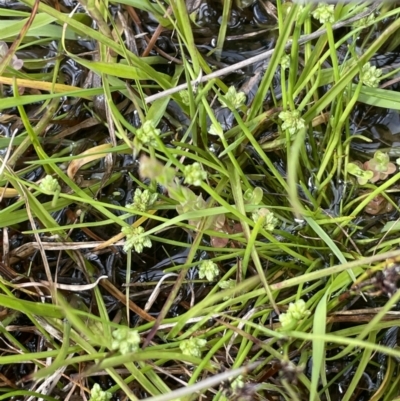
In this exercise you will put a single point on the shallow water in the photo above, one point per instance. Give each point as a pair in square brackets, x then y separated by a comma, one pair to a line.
[251, 31]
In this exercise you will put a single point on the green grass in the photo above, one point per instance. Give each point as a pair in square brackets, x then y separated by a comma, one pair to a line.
[58, 319]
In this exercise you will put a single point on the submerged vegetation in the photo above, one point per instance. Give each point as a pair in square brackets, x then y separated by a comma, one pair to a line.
[199, 200]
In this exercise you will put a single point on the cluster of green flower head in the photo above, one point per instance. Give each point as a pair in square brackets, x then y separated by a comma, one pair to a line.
[292, 121]
[125, 340]
[192, 346]
[295, 312]
[147, 134]
[208, 269]
[324, 13]
[238, 383]
[142, 200]
[97, 394]
[135, 239]
[185, 97]
[194, 174]
[370, 75]
[285, 61]
[233, 98]
[49, 185]
[269, 219]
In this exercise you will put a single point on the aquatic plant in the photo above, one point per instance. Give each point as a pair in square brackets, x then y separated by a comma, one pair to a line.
[252, 162]
[380, 165]
[363, 176]
[378, 205]
[373, 170]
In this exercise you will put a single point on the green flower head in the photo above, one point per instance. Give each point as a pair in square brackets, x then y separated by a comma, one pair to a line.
[97, 394]
[125, 340]
[208, 269]
[147, 134]
[370, 75]
[298, 309]
[142, 200]
[292, 121]
[194, 174]
[135, 239]
[285, 61]
[324, 13]
[185, 97]
[234, 99]
[238, 383]
[192, 346]
[49, 185]
[270, 221]
[286, 319]
[295, 312]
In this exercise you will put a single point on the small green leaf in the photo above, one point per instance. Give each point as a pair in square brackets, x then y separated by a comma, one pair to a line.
[362, 175]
